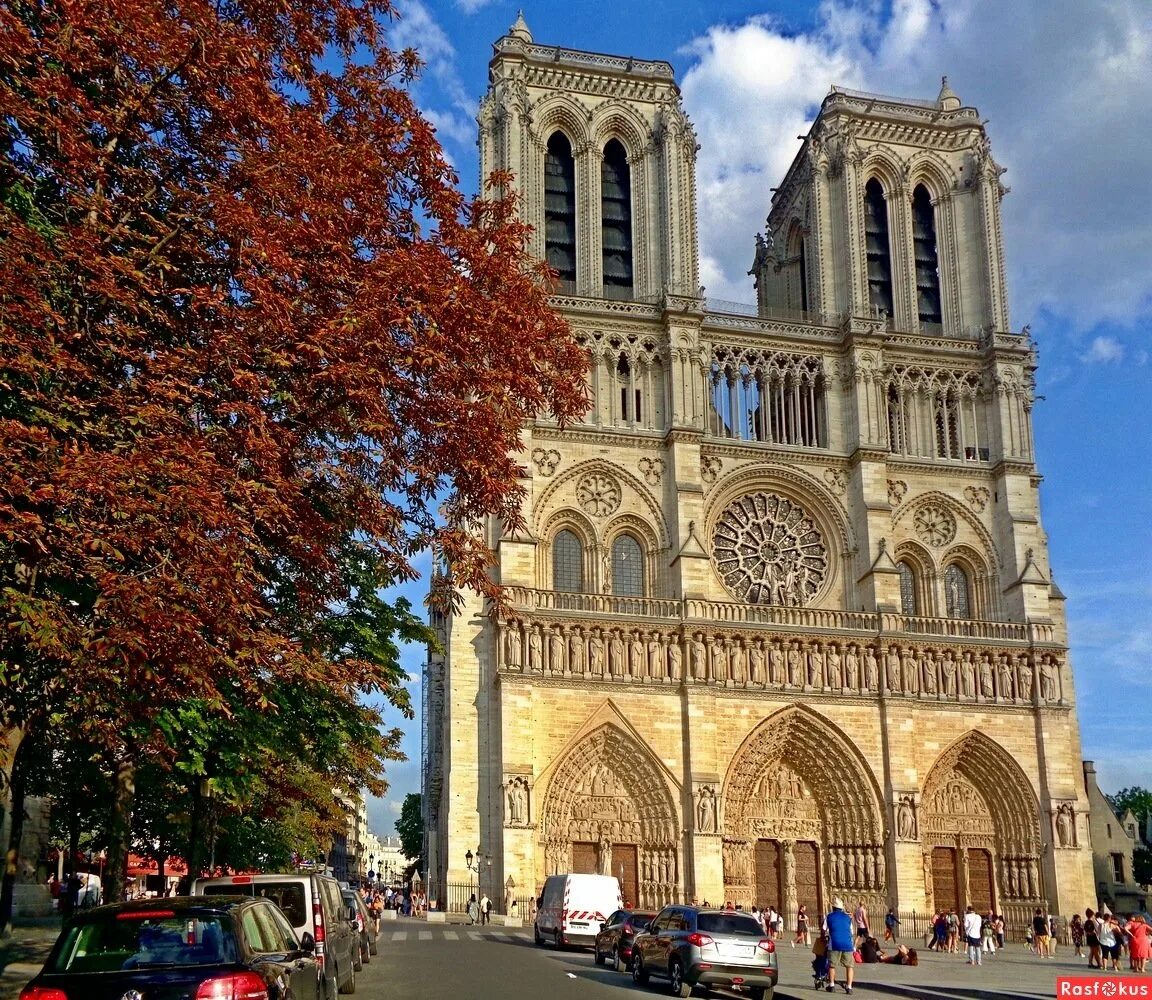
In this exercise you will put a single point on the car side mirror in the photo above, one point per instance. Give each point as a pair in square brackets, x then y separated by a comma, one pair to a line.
[604, 927]
[307, 943]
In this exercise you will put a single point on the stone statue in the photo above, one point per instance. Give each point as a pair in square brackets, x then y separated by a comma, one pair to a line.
[718, 662]
[706, 810]
[674, 660]
[852, 678]
[739, 674]
[535, 650]
[815, 666]
[906, 819]
[835, 674]
[929, 669]
[909, 671]
[576, 651]
[1048, 687]
[756, 663]
[795, 664]
[1023, 665]
[596, 654]
[699, 657]
[514, 649]
[968, 676]
[1065, 826]
[557, 661]
[948, 672]
[871, 669]
[776, 664]
[1007, 683]
[517, 802]
[636, 666]
[616, 655]
[892, 669]
[985, 675]
[656, 663]
[604, 856]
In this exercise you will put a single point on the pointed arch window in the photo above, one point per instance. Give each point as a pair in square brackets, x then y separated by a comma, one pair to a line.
[616, 221]
[908, 603]
[957, 593]
[927, 258]
[877, 247]
[627, 567]
[567, 563]
[560, 210]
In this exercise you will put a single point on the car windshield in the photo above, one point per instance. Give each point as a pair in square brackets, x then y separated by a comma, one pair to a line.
[143, 940]
[729, 923]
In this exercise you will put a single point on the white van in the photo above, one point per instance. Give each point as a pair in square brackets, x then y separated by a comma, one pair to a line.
[571, 908]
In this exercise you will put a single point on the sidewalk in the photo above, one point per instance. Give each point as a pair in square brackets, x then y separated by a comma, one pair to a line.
[22, 954]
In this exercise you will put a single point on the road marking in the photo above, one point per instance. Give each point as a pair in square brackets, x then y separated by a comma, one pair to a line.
[399, 935]
[501, 936]
[476, 935]
[524, 937]
[425, 935]
[451, 936]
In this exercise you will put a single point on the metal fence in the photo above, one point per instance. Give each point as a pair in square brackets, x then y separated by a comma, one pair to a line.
[916, 925]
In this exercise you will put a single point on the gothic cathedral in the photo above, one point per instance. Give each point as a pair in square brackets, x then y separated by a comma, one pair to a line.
[783, 626]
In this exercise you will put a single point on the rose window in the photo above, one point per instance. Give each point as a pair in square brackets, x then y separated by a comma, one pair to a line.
[769, 551]
[935, 525]
[598, 494]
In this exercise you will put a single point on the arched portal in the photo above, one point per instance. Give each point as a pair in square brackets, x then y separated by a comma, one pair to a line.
[608, 809]
[801, 818]
[980, 831]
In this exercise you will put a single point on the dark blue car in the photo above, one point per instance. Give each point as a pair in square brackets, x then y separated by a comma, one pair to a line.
[184, 948]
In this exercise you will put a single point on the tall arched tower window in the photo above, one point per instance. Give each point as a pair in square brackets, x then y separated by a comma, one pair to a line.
[877, 246]
[560, 210]
[908, 603]
[567, 563]
[627, 567]
[927, 259]
[616, 221]
[957, 603]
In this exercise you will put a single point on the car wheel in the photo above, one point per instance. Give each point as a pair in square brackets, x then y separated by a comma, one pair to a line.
[676, 985]
[357, 958]
[537, 939]
[599, 958]
[618, 962]
[373, 949]
[349, 984]
[639, 973]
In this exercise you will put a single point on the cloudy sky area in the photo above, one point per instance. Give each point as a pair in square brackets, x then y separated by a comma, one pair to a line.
[1063, 84]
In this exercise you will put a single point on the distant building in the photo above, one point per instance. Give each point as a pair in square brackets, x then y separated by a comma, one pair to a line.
[1113, 840]
[385, 857]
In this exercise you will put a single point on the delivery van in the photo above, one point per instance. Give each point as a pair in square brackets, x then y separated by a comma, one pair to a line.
[571, 908]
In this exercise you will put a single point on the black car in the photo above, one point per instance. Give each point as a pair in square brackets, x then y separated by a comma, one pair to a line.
[614, 942]
[178, 949]
[364, 926]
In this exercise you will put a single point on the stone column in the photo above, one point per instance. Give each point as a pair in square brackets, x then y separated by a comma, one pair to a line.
[790, 903]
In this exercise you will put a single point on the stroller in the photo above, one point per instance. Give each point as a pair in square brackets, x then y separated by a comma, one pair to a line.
[820, 964]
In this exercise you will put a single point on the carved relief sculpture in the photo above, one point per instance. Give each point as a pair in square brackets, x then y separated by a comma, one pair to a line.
[706, 810]
[935, 525]
[517, 801]
[598, 494]
[906, 818]
[1066, 825]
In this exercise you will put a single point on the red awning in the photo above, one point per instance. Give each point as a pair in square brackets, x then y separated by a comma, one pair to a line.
[139, 866]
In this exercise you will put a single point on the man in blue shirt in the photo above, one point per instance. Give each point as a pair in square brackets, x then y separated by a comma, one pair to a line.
[841, 945]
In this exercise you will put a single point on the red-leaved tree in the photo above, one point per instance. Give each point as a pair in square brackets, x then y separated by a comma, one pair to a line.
[256, 351]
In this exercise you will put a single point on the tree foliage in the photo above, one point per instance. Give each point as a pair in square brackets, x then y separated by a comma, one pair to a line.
[255, 352]
[410, 826]
[1138, 799]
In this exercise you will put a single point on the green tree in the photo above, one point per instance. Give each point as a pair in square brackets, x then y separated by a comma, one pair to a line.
[1138, 799]
[410, 826]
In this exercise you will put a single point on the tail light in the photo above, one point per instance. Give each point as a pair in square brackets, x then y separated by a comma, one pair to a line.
[768, 945]
[42, 993]
[239, 986]
[698, 939]
[628, 929]
[318, 930]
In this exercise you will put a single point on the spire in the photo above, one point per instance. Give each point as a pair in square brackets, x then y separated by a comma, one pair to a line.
[520, 28]
[947, 100]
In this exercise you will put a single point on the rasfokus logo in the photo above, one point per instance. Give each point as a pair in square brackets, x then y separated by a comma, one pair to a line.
[1108, 987]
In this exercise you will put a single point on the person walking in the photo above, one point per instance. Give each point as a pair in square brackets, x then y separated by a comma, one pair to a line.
[801, 927]
[473, 909]
[1092, 939]
[891, 925]
[860, 918]
[972, 935]
[988, 932]
[485, 909]
[841, 946]
[1076, 930]
[1108, 933]
[953, 931]
[1040, 932]
[1139, 945]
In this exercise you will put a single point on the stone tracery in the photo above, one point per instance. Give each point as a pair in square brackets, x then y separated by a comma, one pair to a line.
[769, 550]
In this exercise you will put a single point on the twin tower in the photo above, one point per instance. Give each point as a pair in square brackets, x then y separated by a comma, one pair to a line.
[783, 625]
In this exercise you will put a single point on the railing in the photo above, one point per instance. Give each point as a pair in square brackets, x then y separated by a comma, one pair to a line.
[731, 613]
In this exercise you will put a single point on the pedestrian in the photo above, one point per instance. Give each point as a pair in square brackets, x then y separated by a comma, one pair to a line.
[988, 932]
[841, 945]
[972, 934]
[860, 918]
[1092, 939]
[473, 909]
[1108, 931]
[1076, 930]
[953, 931]
[801, 927]
[1138, 942]
[1040, 932]
[485, 909]
[998, 926]
[891, 925]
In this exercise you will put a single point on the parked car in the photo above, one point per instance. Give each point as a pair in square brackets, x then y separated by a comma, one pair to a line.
[363, 920]
[690, 946]
[166, 949]
[312, 903]
[614, 942]
[571, 908]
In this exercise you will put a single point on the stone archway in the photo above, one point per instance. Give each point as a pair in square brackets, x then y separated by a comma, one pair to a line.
[802, 818]
[980, 831]
[608, 809]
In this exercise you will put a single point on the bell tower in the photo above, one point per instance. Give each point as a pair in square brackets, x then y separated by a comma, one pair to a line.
[603, 158]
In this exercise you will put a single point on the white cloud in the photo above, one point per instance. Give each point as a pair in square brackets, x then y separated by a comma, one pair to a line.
[1104, 350]
[471, 6]
[416, 28]
[1061, 82]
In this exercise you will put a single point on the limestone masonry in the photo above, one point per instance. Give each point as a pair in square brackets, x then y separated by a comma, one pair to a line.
[783, 622]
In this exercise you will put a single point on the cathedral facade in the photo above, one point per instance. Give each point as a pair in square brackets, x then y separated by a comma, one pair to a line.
[782, 626]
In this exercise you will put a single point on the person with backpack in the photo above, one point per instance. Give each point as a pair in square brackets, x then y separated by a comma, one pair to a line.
[890, 925]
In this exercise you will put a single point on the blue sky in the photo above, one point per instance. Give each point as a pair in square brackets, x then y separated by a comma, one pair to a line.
[1063, 84]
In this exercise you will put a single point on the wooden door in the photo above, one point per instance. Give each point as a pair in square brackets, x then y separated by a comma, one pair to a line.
[584, 858]
[767, 888]
[980, 880]
[944, 891]
[624, 867]
[807, 866]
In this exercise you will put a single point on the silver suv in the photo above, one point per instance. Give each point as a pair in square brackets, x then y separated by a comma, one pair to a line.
[690, 946]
